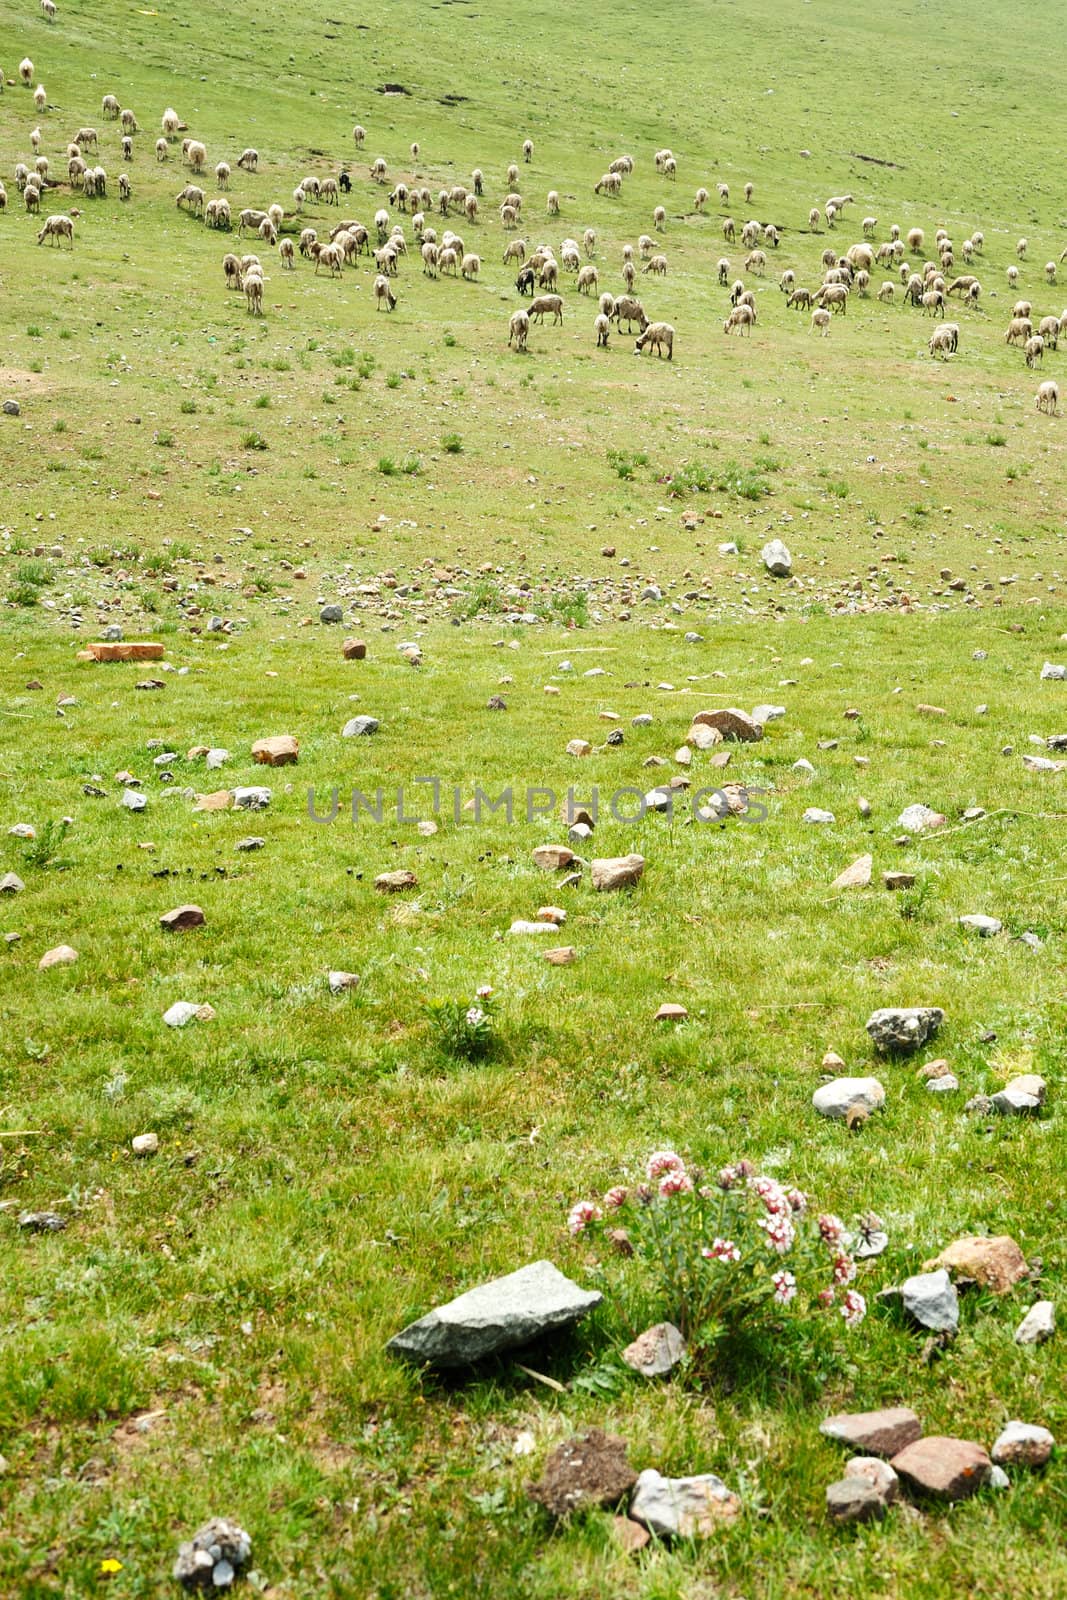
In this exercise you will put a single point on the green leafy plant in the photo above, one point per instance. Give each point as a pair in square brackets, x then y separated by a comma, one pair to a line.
[42, 850]
[464, 1029]
[452, 444]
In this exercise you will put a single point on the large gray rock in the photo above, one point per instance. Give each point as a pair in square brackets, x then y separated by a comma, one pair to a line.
[359, 727]
[838, 1098]
[331, 613]
[854, 1499]
[931, 1298]
[495, 1316]
[875, 1432]
[656, 1352]
[1021, 1097]
[1038, 1324]
[1022, 1444]
[902, 1029]
[682, 1507]
[256, 797]
[776, 558]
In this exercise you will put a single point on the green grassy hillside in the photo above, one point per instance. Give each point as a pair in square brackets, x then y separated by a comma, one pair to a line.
[206, 1334]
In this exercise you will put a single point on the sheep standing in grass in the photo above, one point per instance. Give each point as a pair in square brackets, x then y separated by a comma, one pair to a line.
[162, 150]
[553, 203]
[915, 239]
[729, 229]
[602, 328]
[820, 319]
[129, 122]
[513, 176]
[658, 336]
[1050, 272]
[1019, 330]
[700, 199]
[1048, 397]
[40, 97]
[384, 298]
[1034, 350]
[222, 175]
[170, 123]
[724, 193]
[3, 198]
[527, 150]
[56, 229]
[887, 291]
[518, 329]
[35, 140]
[359, 134]
[659, 217]
[1049, 329]
[814, 218]
[943, 340]
[788, 281]
[543, 303]
[478, 181]
[253, 287]
[196, 155]
[231, 269]
[109, 107]
[630, 309]
[25, 72]
[589, 242]
[629, 274]
[588, 280]
[124, 186]
[470, 267]
[1021, 248]
[429, 258]
[287, 254]
[515, 250]
[740, 320]
[127, 147]
[49, 9]
[722, 268]
[31, 196]
[657, 265]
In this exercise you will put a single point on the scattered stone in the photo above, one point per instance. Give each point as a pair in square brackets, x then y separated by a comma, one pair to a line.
[496, 702]
[1023, 1444]
[396, 882]
[522, 926]
[279, 751]
[931, 1299]
[560, 955]
[919, 818]
[354, 650]
[776, 559]
[253, 798]
[815, 814]
[340, 981]
[253, 841]
[732, 724]
[143, 650]
[590, 1469]
[1021, 1097]
[682, 1507]
[629, 1535]
[579, 747]
[182, 917]
[670, 1011]
[500, 1315]
[145, 1144]
[616, 872]
[899, 880]
[998, 1478]
[805, 766]
[11, 883]
[42, 1221]
[552, 857]
[656, 1352]
[931, 711]
[214, 1556]
[360, 727]
[996, 1263]
[943, 1083]
[855, 1499]
[844, 1095]
[1038, 1324]
[180, 1013]
[903, 1029]
[215, 758]
[61, 956]
[11, 408]
[702, 737]
[879, 1474]
[22, 830]
[765, 714]
[331, 613]
[984, 926]
[946, 1469]
[857, 876]
[1049, 670]
[979, 1105]
[217, 800]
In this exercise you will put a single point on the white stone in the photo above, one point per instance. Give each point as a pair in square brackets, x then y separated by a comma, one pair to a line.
[931, 1298]
[776, 558]
[181, 1012]
[681, 1507]
[978, 923]
[133, 800]
[838, 1098]
[1038, 1324]
[814, 814]
[916, 818]
[145, 1144]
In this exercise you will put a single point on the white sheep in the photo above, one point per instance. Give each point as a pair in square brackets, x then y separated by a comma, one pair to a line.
[820, 319]
[1048, 397]
[109, 107]
[3, 198]
[35, 140]
[527, 149]
[1050, 272]
[887, 291]
[478, 181]
[788, 281]
[308, 237]
[518, 329]
[222, 175]
[629, 274]
[724, 193]
[588, 280]
[429, 258]
[700, 199]
[127, 147]
[40, 97]
[31, 196]
[470, 207]
[553, 203]
[276, 215]
[915, 239]
[191, 198]
[589, 242]
[658, 336]
[56, 229]
[547, 302]
[1013, 277]
[359, 134]
[1034, 350]
[1049, 329]
[267, 231]
[25, 72]
[606, 304]
[740, 320]
[162, 150]
[124, 186]
[723, 270]
[657, 265]
[602, 328]
[49, 9]
[470, 267]
[129, 122]
[253, 287]
[248, 160]
[414, 149]
[217, 213]
[729, 229]
[869, 226]
[195, 155]
[170, 123]
[384, 298]
[814, 218]
[659, 217]
[1021, 249]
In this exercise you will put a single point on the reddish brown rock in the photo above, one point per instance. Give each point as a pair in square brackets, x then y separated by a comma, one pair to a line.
[629, 1535]
[146, 650]
[552, 857]
[182, 917]
[217, 800]
[671, 1012]
[354, 650]
[995, 1263]
[732, 724]
[878, 1433]
[946, 1469]
[561, 955]
[279, 751]
[617, 872]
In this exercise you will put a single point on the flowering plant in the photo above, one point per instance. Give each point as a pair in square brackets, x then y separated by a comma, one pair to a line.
[464, 1028]
[738, 1250]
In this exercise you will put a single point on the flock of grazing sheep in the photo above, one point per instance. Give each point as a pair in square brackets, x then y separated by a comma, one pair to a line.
[846, 275]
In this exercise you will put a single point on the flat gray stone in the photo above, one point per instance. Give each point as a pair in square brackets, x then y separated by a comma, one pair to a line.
[656, 1352]
[855, 1500]
[876, 1432]
[11, 883]
[682, 1507]
[133, 800]
[1038, 1324]
[817, 815]
[838, 1098]
[359, 727]
[931, 1299]
[918, 818]
[902, 1029]
[331, 613]
[256, 797]
[1050, 670]
[500, 1315]
[985, 926]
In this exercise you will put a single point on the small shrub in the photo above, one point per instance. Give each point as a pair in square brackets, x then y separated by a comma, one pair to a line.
[188, 408]
[393, 381]
[254, 440]
[387, 466]
[463, 1029]
[164, 439]
[452, 444]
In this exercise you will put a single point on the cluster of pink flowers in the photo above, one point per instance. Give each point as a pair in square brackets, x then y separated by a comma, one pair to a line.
[721, 1250]
[667, 1170]
[853, 1308]
[581, 1214]
[475, 1016]
[785, 1287]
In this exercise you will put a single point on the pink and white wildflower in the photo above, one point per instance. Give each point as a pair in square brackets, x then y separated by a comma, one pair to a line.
[826, 1297]
[581, 1214]
[844, 1269]
[721, 1250]
[616, 1197]
[785, 1287]
[780, 1232]
[663, 1161]
[853, 1308]
[772, 1194]
[798, 1201]
[475, 1017]
[675, 1183]
[484, 991]
[832, 1230]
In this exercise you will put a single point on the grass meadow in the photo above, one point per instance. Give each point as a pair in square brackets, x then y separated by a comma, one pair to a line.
[206, 1335]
